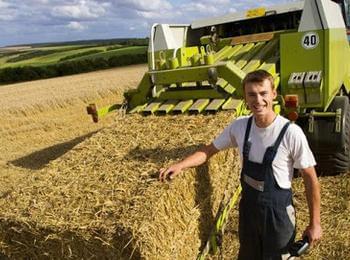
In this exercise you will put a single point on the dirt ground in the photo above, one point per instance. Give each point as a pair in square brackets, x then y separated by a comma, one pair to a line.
[42, 120]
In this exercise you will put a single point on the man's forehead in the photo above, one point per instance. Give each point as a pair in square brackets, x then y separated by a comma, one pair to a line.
[258, 85]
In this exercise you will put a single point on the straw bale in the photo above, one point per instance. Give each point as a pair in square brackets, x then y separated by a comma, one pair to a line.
[103, 199]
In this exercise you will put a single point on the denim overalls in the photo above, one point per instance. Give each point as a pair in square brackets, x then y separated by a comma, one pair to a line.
[265, 228]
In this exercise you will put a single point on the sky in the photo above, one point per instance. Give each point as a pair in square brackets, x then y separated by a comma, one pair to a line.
[37, 21]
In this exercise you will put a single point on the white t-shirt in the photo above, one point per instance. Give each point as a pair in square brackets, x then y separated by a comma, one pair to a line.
[293, 152]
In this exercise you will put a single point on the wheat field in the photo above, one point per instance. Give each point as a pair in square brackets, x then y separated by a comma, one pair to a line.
[42, 121]
[41, 114]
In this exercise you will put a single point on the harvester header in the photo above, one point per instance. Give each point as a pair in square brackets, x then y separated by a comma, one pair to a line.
[199, 68]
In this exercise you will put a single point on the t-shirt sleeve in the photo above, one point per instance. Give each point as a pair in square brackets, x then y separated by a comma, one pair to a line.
[300, 149]
[226, 139]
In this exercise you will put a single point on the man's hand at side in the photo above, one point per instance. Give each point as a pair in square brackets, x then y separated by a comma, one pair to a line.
[312, 190]
[170, 172]
[313, 232]
[197, 158]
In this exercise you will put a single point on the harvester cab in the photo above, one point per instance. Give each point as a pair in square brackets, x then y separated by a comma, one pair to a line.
[199, 67]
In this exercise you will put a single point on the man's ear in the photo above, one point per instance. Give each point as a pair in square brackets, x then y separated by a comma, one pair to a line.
[274, 92]
[245, 100]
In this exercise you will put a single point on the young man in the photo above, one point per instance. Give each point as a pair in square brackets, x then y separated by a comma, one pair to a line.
[270, 147]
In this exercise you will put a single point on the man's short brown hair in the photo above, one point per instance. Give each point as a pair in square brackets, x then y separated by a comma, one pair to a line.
[258, 76]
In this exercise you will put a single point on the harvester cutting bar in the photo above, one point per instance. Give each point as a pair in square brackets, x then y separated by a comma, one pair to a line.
[166, 107]
[215, 104]
[160, 107]
[138, 109]
[182, 106]
[152, 107]
[232, 104]
[199, 105]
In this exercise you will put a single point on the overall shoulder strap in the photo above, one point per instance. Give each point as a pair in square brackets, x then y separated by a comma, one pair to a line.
[246, 144]
[271, 151]
[280, 136]
[247, 131]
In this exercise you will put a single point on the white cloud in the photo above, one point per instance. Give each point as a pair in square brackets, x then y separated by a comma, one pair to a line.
[6, 17]
[247, 4]
[232, 10]
[7, 11]
[81, 10]
[41, 1]
[145, 5]
[202, 8]
[213, 2]
[3, 4]
[76, 26]
[151, 14]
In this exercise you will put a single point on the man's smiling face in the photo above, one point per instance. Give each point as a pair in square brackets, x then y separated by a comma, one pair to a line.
[259, 97]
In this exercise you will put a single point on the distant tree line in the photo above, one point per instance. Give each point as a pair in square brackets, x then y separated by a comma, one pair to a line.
[9, 53]
[30, 55]
[99, 42]
[39, 53]
[27, 73]
[80, 54]
[114, 47]
[135, 42]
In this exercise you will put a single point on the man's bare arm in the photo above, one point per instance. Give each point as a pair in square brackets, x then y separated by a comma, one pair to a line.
[313, 197]
[197, 158]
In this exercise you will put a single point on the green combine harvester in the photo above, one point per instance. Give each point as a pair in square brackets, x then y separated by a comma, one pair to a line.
[198, 68]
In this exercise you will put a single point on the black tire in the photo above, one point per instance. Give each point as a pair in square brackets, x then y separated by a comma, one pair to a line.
[336, 161]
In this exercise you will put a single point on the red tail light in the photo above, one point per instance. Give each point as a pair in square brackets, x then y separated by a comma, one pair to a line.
[291, 101]
[293, 116]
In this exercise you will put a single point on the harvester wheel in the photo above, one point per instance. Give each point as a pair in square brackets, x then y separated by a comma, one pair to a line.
[335, 162]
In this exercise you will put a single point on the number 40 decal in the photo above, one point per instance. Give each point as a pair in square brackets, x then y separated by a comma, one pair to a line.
[310, 40]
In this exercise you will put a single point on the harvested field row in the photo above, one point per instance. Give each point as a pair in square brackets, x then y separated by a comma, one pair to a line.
[104, 195]
[40, 120]
[28, 140]
[38, 96]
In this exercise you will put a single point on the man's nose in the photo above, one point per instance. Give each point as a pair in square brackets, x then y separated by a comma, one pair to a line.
[258, 98]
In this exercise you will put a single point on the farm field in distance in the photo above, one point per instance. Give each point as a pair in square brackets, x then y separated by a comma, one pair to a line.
[43, 120]
[47, 55]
